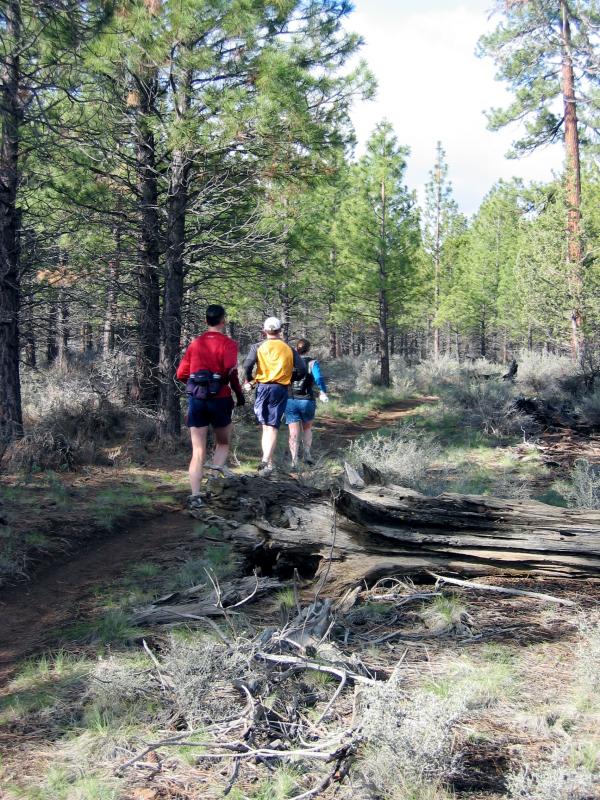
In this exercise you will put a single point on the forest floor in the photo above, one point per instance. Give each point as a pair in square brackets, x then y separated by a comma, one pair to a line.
[81, 553]
[492, 692]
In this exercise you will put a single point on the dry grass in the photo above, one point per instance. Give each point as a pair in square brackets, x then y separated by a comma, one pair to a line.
[582, 490]
[400, 455]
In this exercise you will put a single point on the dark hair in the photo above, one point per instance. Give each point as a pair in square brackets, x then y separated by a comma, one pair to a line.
[302, 346]
[215, 315]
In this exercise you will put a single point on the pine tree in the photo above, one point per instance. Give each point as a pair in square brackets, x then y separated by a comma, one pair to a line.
[488, 254]
[39, 45]
[543, 49]
[439, 219]
[378, 236]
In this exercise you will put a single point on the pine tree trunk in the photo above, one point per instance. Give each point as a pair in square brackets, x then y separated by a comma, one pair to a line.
[332, 342]
[173, 294]
[110, 313]
[482, 338]
[148, 349]
[29, 333]
[573, 178]
[87, 338]
[286, 308]
[51, 332]
[64, 332]
[437, 259]
[11, 419]
[384, 342]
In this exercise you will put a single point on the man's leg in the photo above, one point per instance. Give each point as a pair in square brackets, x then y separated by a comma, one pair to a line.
[269, 440]
[294, 441]
[198, 436]
[223, 437]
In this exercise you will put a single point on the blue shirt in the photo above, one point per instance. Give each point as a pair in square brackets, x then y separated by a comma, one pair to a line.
[319, 379]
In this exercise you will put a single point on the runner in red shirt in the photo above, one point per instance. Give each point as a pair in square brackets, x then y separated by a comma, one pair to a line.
[210, 368]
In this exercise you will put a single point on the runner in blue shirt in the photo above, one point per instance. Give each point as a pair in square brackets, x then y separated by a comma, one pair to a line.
[301, 405]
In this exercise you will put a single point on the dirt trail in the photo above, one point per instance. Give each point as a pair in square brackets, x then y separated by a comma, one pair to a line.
[32, 613]
[61, 593]
[336, 433]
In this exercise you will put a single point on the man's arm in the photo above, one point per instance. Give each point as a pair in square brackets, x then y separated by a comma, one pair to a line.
[249, 363]
[230, 361]
[183, 370]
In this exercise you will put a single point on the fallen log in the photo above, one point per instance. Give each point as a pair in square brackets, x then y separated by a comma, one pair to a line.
[379, 531]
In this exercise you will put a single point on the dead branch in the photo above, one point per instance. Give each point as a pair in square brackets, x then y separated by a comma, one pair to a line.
[302, 663]
[484, 587]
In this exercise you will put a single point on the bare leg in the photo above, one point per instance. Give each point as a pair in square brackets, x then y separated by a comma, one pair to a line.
[307, 428]
[223, 437]
[294, 441]
[269, 440]
[198, 436]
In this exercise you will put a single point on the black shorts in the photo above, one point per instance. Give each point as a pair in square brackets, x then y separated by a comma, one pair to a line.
[216, 412]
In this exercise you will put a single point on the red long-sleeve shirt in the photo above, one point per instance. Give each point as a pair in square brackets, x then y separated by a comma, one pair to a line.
[215, 352]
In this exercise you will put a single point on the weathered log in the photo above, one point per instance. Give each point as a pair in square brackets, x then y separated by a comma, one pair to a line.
[379, 531]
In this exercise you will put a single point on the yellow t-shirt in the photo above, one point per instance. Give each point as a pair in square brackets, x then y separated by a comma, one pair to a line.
[274, 362]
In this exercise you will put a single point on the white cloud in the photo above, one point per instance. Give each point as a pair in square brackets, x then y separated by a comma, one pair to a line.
[432, 87]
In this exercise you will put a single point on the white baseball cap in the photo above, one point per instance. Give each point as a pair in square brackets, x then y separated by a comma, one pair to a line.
[272, 324]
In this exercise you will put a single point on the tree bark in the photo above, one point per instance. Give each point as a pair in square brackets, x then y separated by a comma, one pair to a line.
[384, 341]
[573, 182]
[64, 331]
[286, 307]
[332, 342]
[382, 531]
[87, 338]
[173, 293]
[11, 419]
[148, 348]
[29, 333]
[110, 313]
[436, 261]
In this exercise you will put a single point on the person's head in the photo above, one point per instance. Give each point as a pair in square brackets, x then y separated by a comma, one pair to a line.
[303, 346]
[272, 328]
[215, 316]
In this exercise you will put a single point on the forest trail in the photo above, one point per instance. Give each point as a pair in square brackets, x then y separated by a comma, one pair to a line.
[33, 613]
[339, 432]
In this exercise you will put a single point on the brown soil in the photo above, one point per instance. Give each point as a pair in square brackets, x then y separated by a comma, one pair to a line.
[32, 613]
[338, 432]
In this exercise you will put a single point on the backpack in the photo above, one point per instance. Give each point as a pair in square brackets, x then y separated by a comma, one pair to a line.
[203, 385]
[304, 387]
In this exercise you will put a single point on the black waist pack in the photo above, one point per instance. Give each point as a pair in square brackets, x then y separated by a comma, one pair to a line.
[203, 385]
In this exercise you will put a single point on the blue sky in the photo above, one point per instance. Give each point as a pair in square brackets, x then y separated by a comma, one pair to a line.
[432, 87]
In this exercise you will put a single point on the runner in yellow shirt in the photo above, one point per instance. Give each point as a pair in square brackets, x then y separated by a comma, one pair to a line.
[274, 364]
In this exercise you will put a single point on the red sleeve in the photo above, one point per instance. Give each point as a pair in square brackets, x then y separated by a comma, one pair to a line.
[230, 355]
[234, 382]
[230, 362]
[183, 370]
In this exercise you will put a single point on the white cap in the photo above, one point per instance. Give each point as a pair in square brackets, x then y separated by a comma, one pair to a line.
[272, 324]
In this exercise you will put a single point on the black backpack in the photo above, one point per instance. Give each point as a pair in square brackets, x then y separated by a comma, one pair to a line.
[304, 387]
